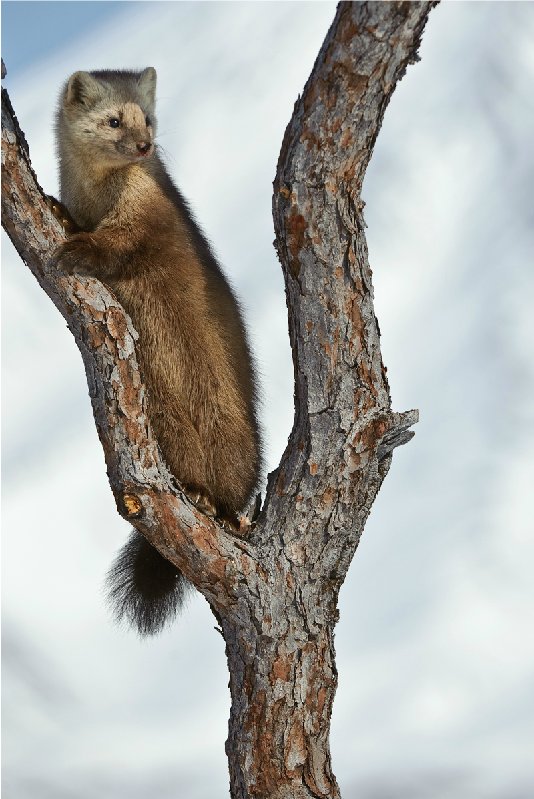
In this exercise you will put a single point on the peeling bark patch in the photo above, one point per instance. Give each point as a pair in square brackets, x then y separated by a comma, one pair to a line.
[264, 777]
[96, 336]
[218, 568]
[118, 327]
[310, 139]
[321, 700]
[296, 226]
[281, 669]
[348, 29]
[328, 497]
[374, 432]
[280, 483]
[295, 754]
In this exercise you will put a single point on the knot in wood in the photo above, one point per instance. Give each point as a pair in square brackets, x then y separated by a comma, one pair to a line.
[132, 504]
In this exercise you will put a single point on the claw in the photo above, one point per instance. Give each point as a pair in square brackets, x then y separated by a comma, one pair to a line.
[61, 214]
[201, 501]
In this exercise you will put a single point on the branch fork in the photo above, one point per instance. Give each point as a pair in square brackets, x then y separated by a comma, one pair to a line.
[275, 592]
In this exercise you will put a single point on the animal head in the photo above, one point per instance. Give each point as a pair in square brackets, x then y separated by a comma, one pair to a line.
[110, 114]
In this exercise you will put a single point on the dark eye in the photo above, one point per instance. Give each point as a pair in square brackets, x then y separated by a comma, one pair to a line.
[114, 122]
[148, 121]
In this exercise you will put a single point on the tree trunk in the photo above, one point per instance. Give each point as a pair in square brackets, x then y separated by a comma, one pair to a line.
[274, 593]
[282, 682]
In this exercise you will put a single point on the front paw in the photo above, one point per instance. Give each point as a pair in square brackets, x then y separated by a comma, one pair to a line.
[78, 254]
[61, 214]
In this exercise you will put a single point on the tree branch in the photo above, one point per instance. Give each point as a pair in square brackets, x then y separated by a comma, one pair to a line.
[344, 431]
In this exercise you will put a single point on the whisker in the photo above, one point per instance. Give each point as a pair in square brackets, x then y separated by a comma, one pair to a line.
[167, 132]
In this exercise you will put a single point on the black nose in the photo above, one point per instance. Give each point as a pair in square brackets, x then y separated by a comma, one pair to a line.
[143, 147]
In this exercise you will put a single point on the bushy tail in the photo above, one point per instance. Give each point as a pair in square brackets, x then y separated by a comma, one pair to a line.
[144, 589]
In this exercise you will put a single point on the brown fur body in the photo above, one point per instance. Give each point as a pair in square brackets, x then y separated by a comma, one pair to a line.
[141, 241]
[137, 236]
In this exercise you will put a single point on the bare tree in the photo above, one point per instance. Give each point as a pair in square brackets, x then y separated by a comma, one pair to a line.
[274, 593]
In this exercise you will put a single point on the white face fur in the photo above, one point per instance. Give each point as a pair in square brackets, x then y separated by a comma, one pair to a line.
[112, 119]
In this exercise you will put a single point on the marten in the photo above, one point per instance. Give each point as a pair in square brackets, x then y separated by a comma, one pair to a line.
[135, 232]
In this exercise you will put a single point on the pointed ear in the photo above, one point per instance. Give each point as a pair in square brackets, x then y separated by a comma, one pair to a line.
[82, 88]
[147, 85]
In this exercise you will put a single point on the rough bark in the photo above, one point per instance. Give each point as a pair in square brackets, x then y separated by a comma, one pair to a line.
[275, 593]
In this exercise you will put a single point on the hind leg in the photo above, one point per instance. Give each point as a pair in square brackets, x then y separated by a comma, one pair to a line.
[180, 444]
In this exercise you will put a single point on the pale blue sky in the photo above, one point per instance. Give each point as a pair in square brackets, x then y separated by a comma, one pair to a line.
[32, 30]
